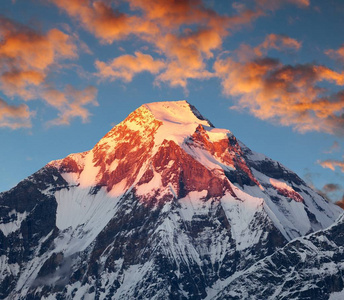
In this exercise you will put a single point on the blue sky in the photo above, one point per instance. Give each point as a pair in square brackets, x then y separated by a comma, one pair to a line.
[270, 71]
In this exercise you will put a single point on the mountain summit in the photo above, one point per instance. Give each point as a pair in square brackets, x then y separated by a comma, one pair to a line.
[165, 206]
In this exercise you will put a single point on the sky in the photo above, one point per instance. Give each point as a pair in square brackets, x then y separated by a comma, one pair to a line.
[271, 71]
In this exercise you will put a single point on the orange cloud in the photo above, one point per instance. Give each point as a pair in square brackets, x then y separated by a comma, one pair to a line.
[278, 42]
[187, 50]
[186, 32]
[177, 75]
[330, 75]
[186, 56]
[20, 47]
[272, 41]
[126, 66]
[332, 164]
[288, 95]
[275, 4]
[54, 97]
[336, 54]
[14, 117]
[27, 57]
[171, 14]
[71, 103]
[21, 83]
[105, 23]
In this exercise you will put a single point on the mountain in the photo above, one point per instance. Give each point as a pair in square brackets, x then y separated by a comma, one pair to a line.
[309, 267]
[165, 206]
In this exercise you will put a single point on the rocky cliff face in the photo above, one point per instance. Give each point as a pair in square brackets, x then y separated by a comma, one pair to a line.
[165, 206]
[309, 267]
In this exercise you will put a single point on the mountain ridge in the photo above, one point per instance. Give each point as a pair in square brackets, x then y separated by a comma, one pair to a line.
[164, 194]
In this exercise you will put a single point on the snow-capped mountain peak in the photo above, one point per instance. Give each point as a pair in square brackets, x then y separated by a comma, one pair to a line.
[176, 112]
[163, 195]
[137, 140]
[172, 120]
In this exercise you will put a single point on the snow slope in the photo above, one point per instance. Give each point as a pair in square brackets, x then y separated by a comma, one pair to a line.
[309, 267]
[164, 206]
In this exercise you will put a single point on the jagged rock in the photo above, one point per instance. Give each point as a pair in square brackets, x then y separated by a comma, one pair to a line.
[165, 206]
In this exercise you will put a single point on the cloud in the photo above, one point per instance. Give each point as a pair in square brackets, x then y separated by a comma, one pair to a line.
[172, 14]
[335, 147]
[186, 55]
[278, 42]
[27, 58]
[337, 54]
[332, 164]
[20, 46]
[289, 95]
[105, 23]
[331, 187]
[333, 191]
[70, 103]
[185, 33]
[275, 4]
[21, 83]
[272, 41]
[126, 66]
[14, 117]
[188, 50]
[330, 191]
[188, 35]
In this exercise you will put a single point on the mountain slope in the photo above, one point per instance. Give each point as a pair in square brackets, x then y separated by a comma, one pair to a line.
[165, 206]
[309, 267]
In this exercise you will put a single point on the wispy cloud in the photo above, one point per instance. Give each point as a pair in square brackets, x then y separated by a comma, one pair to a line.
[335, 147]
[331, 187]
[275, 4]
[332, 191]
[125, 67]
[27, 57]
[14, 117]
[286, 94]
[71, 103]
[332, 164]
[337, 54]
[184, 34]
[277, 41]
[106, 23]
